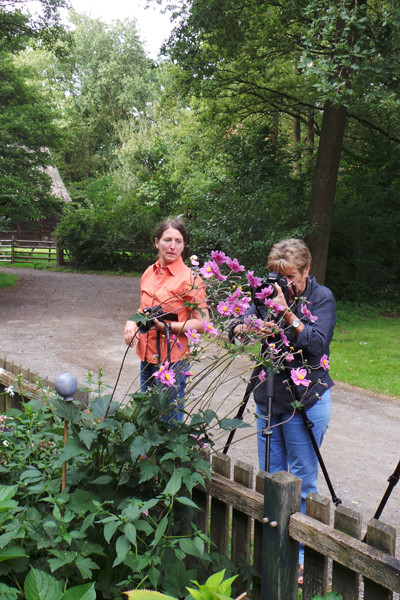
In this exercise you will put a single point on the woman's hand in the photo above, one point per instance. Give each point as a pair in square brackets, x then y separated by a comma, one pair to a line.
[130, 333]
[269, 328]
[280, 297]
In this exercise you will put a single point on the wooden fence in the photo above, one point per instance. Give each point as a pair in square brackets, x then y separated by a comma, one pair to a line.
[13, 250]
[255, 521]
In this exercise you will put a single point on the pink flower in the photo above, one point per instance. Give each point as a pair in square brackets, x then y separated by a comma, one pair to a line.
[224, 308]
[187, 373]
[239, 307]
[299, 377]
[265, 292]
[165, 375]
[289, 357]
[193, 261]
[177, 343]
[219, 257]
[324, 362]
[305, 311]
[284, 338]
[209, 328]
[218, 273]
[192, 335]
[209, 269]
[234, 265]
[253, 323]
[253, 281]
[262, 376]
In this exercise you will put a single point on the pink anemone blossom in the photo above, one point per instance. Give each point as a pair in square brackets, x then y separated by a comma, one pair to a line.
[234, 265]
[165, 375]
[299, 377]
[307, 313]
[192, 335]
[324, 362]
[219, 257]
[252, 279]
[209, 328]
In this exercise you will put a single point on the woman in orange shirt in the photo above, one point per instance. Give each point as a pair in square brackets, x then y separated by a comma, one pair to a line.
[174, 287]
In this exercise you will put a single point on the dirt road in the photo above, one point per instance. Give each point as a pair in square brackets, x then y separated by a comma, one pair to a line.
[60, 322]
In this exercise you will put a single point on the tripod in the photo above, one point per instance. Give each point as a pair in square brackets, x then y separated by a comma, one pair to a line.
[267, 430]
[393, 479]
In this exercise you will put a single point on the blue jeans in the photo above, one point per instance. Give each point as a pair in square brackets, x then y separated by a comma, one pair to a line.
[176, 392]
[291, 448]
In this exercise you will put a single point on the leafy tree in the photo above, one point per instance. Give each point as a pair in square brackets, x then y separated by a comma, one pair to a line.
[107, 82]
[319, 62]
[106, 231]
[17, 25]
[25, 130]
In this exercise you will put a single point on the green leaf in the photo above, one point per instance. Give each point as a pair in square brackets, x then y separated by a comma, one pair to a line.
[174, 484]
[81, 592]
[8, 593]
[12, 552]
[147, 595]
[110, 529]
[130, 531]
[62, 559]
[189, 546]
[162, 526]
[72, 449]
[102, 480]
[122, 547]
[101, 406]
[87, 437]
[139, 447]
[186, 502]
[39, 585]
[85, 566]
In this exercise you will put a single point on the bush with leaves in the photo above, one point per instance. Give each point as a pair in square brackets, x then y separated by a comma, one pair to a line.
[119, 520]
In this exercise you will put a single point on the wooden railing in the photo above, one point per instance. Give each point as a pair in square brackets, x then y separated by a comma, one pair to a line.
[265, 527]
[255, 520]
[13, 250]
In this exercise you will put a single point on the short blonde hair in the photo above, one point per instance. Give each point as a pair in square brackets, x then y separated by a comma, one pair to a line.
[288, 254]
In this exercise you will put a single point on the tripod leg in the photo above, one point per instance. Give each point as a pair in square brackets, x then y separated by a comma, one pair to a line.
[240, 413]
[393, 480]
[309, 425]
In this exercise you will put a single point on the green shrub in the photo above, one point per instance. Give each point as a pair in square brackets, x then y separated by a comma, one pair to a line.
[122, 519]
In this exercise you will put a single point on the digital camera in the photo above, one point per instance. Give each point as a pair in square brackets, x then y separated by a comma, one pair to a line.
[156, 312]
[269, 281]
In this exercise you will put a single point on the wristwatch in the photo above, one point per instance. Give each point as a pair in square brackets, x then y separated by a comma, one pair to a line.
[295, 324]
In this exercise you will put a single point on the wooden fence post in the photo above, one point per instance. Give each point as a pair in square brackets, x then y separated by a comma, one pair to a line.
[316, 564]
[383, 537]
[345, 581]
[12, 248]
[241, 524]
[219, 526]
[282, 497]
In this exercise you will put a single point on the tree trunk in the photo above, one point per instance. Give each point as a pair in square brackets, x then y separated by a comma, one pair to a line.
[323, 187]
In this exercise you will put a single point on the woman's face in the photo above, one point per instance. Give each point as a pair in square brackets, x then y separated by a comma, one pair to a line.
[170, 246]
[297, 278]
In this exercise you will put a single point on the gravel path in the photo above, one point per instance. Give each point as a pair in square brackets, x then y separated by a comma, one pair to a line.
[63, 322]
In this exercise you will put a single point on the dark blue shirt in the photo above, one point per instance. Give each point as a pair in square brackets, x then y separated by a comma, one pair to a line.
[313, 342]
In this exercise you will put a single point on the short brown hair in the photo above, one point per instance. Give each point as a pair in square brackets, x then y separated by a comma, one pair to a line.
[287, 254]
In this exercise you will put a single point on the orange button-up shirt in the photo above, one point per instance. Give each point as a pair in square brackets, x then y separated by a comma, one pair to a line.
[171, 287]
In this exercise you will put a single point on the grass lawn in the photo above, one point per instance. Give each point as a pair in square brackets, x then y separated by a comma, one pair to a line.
[365, 351]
